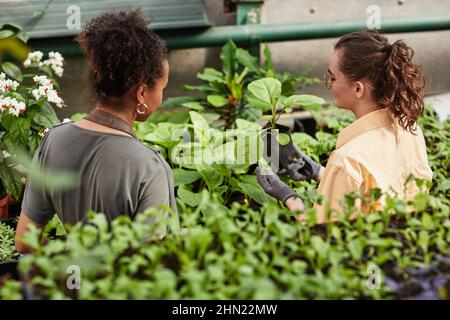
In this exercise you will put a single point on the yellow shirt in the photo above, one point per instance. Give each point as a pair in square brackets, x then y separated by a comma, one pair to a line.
[373, 152]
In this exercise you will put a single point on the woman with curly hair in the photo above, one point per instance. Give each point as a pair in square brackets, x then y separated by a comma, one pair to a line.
[128, 71]
[381, 85]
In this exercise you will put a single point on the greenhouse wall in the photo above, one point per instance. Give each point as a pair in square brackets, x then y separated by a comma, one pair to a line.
[431, 48]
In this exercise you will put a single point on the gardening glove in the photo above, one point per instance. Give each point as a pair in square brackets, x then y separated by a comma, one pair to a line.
[297, 164]
[273, 186]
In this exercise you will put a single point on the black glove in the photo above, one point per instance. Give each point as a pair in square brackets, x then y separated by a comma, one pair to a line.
[297, 164]
[273, 186]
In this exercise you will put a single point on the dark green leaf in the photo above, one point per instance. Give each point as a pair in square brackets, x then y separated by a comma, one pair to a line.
[12, 70]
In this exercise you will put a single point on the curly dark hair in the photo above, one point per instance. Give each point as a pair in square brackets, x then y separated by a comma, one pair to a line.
[122, 53]
[399, 83]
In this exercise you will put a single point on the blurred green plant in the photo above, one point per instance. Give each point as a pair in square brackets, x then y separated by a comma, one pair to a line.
[224, 90]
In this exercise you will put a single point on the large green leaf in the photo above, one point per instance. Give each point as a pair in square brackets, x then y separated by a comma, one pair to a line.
[193, 105]
[10, 26]
[188, 197]
[33, 143]
[267, 57]
[283, 139]
[247, 60]
[182, 176]
[307, 101]
[228, 57]
[10, 180]
[264, 92]
[24, 37]
[251, 114]
[225, 153]
[46, 117]
[201, 126]
[213, 178]
[250, 187]
[206, 89]
[77, 116]
[217, 101]
[165, 134]
[6, 34]
[7, 120]
[247, 125]
[259, 104]
[19, 131]
[13, 71]
[211, 75]
[177, 101]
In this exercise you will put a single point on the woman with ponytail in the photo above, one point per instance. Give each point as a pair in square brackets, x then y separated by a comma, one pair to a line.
[382, 86]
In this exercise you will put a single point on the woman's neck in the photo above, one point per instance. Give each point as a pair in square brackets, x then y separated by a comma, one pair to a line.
[125, 115]
[365, 108]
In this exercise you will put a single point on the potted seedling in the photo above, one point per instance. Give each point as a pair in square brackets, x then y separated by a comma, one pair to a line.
[265, 94]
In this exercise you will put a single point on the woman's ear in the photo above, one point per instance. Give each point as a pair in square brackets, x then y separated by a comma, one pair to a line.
[359, 89]
[140, 93]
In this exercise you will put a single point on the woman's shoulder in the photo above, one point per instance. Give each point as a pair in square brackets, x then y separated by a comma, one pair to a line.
[116, 144]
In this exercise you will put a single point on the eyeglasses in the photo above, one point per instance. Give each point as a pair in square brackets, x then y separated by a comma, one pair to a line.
[328, 80]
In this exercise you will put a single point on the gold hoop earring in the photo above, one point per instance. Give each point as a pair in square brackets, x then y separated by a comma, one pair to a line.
[141, 112]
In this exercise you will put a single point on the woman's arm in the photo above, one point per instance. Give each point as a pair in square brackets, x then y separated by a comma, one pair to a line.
[22, 228]
[319, 177]
[273, 186]
[296, 206]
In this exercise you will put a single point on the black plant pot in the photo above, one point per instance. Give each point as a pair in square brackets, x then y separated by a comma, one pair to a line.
[10, 222]
[9, 268]
[306, 125]
[282, 156]
[273, 150]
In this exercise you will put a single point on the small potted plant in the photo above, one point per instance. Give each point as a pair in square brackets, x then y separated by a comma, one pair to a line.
[265, 94]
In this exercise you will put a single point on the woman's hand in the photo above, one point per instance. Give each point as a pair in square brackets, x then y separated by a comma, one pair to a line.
[298, 165]
[273, 185]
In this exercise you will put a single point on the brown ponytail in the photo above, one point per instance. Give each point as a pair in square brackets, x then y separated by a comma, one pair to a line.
[398, 82]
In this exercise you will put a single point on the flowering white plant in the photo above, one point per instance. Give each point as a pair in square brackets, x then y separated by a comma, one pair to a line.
[15, 103]
[11, 105]
[7, 84]
[55, 61]
[26, 110]
[46, 91]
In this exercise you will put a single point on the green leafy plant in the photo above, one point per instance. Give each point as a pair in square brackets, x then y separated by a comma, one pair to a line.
[26, 102]
[240, 253]
[265, 94]
[233, 241]
[225, 90]
[7, 248]
[204, 157]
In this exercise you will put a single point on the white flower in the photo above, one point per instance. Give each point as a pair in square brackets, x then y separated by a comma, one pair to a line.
[14, 111]
[45, 90]
[43, 81]
[4, 103]
[56, 56]
[33, 57]
[55, 61]
[7, 84]
[58, 70]
[40, 92]
[52, 96]
[12, 106]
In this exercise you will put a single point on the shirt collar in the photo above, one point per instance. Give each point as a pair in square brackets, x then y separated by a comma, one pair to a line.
[370, 121]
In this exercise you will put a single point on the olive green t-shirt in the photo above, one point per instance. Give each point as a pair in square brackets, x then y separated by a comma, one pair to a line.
[118, 175]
